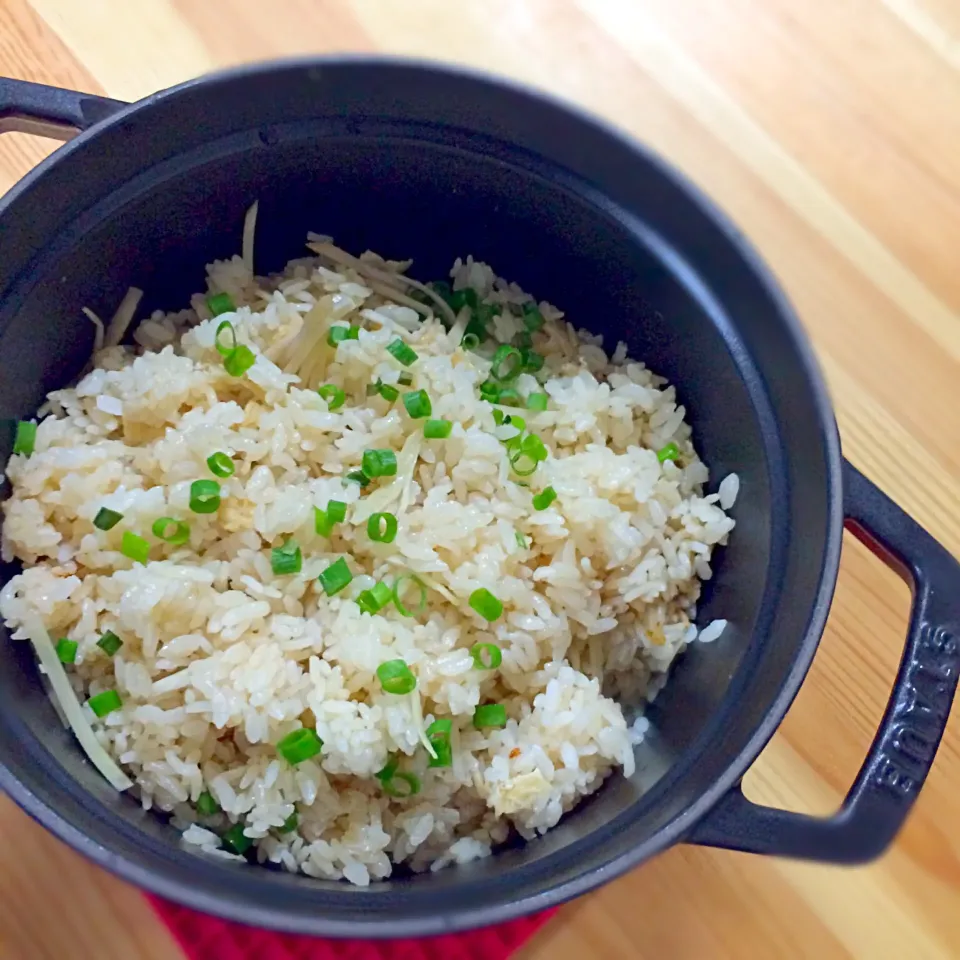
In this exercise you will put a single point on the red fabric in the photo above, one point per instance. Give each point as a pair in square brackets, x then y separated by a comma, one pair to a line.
[209, 938]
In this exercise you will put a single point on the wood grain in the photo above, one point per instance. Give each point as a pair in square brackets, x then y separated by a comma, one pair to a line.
[830, 130]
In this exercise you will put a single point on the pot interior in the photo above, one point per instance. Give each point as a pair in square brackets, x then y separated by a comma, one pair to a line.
[576, 216]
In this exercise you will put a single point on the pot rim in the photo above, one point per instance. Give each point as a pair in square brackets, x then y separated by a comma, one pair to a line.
[466, 918]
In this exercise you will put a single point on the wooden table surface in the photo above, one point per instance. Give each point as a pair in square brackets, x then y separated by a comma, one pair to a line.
[830, 130]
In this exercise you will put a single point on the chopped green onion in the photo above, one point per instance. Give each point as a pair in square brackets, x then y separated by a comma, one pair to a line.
[396, 677]
[399, 588]
[533, 446]
[507, 363]
[490, 715]
[220, 303]
[523, 340]
[104, 703]
[236, 841]
[523, 464]
[400, 351]
[375, 599]
[358, 476]
[670, 452]
[299, 745]
[335, 577]
[386, 391]
[379, 463]
[225, 339]
[206, 805]
[389, 769]
[109, 643]
[486, 604]
[286, 559]
[543, 499]
[470, 341]
[106, 519]
[467, 297]
[382, 527]
[240, 361]
[438, 734]
[204, 496]
[490, 391]
[340, 333]
[66, 650]
[174, 532]
[532, 361]
[405, 379]
[290, 824]
[418, 404]
[475, 328]
[325, 520]
[532, 317]
[498, 417]
[537, 401]
[437, 429]
[25, 438]
[521, 541]
[334, 396]
[392, 789]
[132, 545]
[509, 397]
[220, 464]
[486, 656]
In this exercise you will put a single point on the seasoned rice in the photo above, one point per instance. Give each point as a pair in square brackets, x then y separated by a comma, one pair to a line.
[221, 658]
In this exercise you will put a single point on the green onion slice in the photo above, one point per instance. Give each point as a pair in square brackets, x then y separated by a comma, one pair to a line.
[509, 397]
[174, 532]
[104, 703]
[134, 546]
[486, 656]
[290, 824]
[109, 643]
[532, 317]
[382, 527]
[220, 464]
[470, 341]
[670, 452]
[438, 734]
[543, 499]
[532, 361]
[437, 429]
[490, 715]
[396, 677]
[225, 339]
[106, 519]
[390, 768]
[206, 805]
[418, 404]
[507, 363]
[239, 361]
[537, 401]
[236, 841]
[392, 786]
[325, 520]
[204, 496]
[521, 541]
[286, 559]
[25, 438]
[334, 396]
[375, 599]
[401, 352]
[379, 463]
[66, 650]
[486, 604]
[358, 476]
[335, 577]
[336, 510]
[299, 745]
[405, 379]
[400, 588]
[220, 303]
[340, 333]
[490, 391]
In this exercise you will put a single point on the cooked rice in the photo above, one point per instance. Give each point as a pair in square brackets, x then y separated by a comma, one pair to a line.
[221, 658]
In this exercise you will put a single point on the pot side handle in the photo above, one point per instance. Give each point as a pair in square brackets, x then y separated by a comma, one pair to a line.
[905, 745]
[50, 111]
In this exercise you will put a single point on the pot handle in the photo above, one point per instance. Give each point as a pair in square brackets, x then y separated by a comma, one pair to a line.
[50, 111]
[903, 750]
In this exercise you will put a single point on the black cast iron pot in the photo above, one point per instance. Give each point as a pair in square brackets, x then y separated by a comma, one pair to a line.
[425, 161]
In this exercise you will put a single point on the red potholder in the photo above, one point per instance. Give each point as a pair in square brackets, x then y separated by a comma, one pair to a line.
[209, 938]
